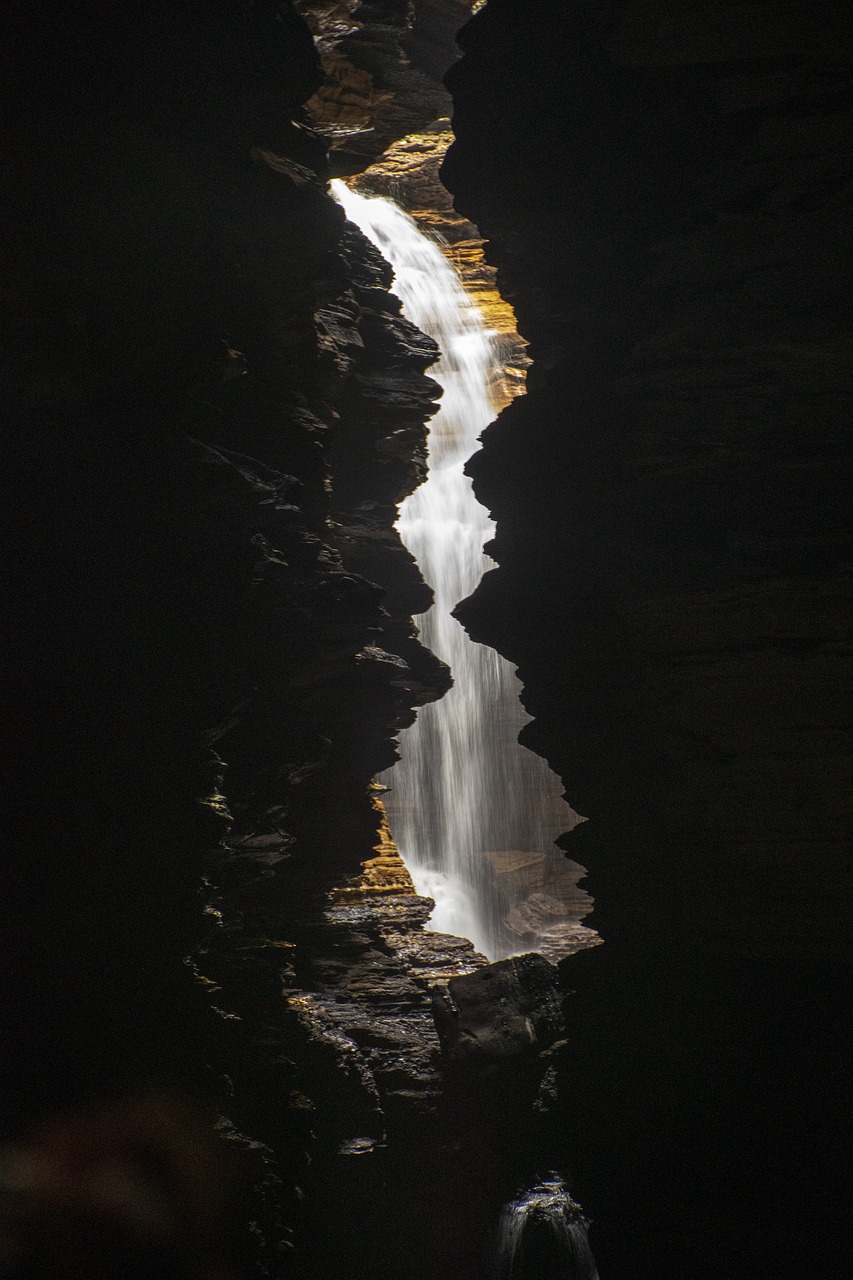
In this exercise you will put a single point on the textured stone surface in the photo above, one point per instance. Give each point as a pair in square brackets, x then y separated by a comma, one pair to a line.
[214, 406]
[383, 112]
[408, 173]
[509, 1009]
[365, 1040]
[662, 188]
[206, 379]
[384, 64]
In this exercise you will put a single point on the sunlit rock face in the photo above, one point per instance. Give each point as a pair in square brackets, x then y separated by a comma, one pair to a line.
[383, 112]
[408, 172]
[384, 63]
[663, 189]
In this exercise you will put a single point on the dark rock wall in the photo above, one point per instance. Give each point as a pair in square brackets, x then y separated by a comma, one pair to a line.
[202, 374]
[665, 190]
[212, 408]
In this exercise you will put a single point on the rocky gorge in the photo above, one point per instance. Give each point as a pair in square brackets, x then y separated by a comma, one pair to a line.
[230, 1047]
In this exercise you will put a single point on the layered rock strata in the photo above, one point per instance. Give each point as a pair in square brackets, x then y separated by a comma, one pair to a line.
[215, 406]
[664, 191]
[408, 172]
[383, 113]
[383, 65]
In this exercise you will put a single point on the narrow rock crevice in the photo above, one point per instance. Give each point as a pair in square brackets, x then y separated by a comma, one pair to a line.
[217, 994]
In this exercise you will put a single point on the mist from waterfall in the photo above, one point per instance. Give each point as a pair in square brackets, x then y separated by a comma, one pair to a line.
[473, 813]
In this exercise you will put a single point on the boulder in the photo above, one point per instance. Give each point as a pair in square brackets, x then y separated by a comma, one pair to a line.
[506, 1010]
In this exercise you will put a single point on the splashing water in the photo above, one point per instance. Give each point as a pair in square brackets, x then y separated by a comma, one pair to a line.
[473, 813]
[544, 1237]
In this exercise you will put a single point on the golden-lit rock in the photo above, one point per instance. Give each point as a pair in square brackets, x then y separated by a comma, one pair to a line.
[346, 104]
[386, 873]
[384, 66]
[408, 173]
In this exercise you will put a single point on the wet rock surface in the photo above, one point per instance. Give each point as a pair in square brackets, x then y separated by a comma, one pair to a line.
[383, 64]
[215, 406]
[508, 1009]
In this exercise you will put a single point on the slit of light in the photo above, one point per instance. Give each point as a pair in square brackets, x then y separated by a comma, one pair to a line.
[474, 814]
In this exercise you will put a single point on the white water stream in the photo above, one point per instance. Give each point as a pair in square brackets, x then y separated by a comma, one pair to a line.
[473, 813]
[543, 1236]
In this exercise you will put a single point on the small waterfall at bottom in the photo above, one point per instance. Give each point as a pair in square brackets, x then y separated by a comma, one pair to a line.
[473, 813]
[543, 1236]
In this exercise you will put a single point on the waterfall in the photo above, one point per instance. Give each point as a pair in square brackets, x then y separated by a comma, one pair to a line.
[544, 1237]
[473, 813]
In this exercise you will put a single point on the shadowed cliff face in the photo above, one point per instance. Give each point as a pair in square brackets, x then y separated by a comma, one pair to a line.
[214, 406]
[206, 380]
[665, 190]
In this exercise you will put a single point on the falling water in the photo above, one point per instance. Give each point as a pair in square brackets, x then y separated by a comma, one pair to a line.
[544, 1237]
[473, 813]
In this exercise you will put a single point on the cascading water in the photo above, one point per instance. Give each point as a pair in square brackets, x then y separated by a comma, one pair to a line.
[473, 813]
[544, 1237]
